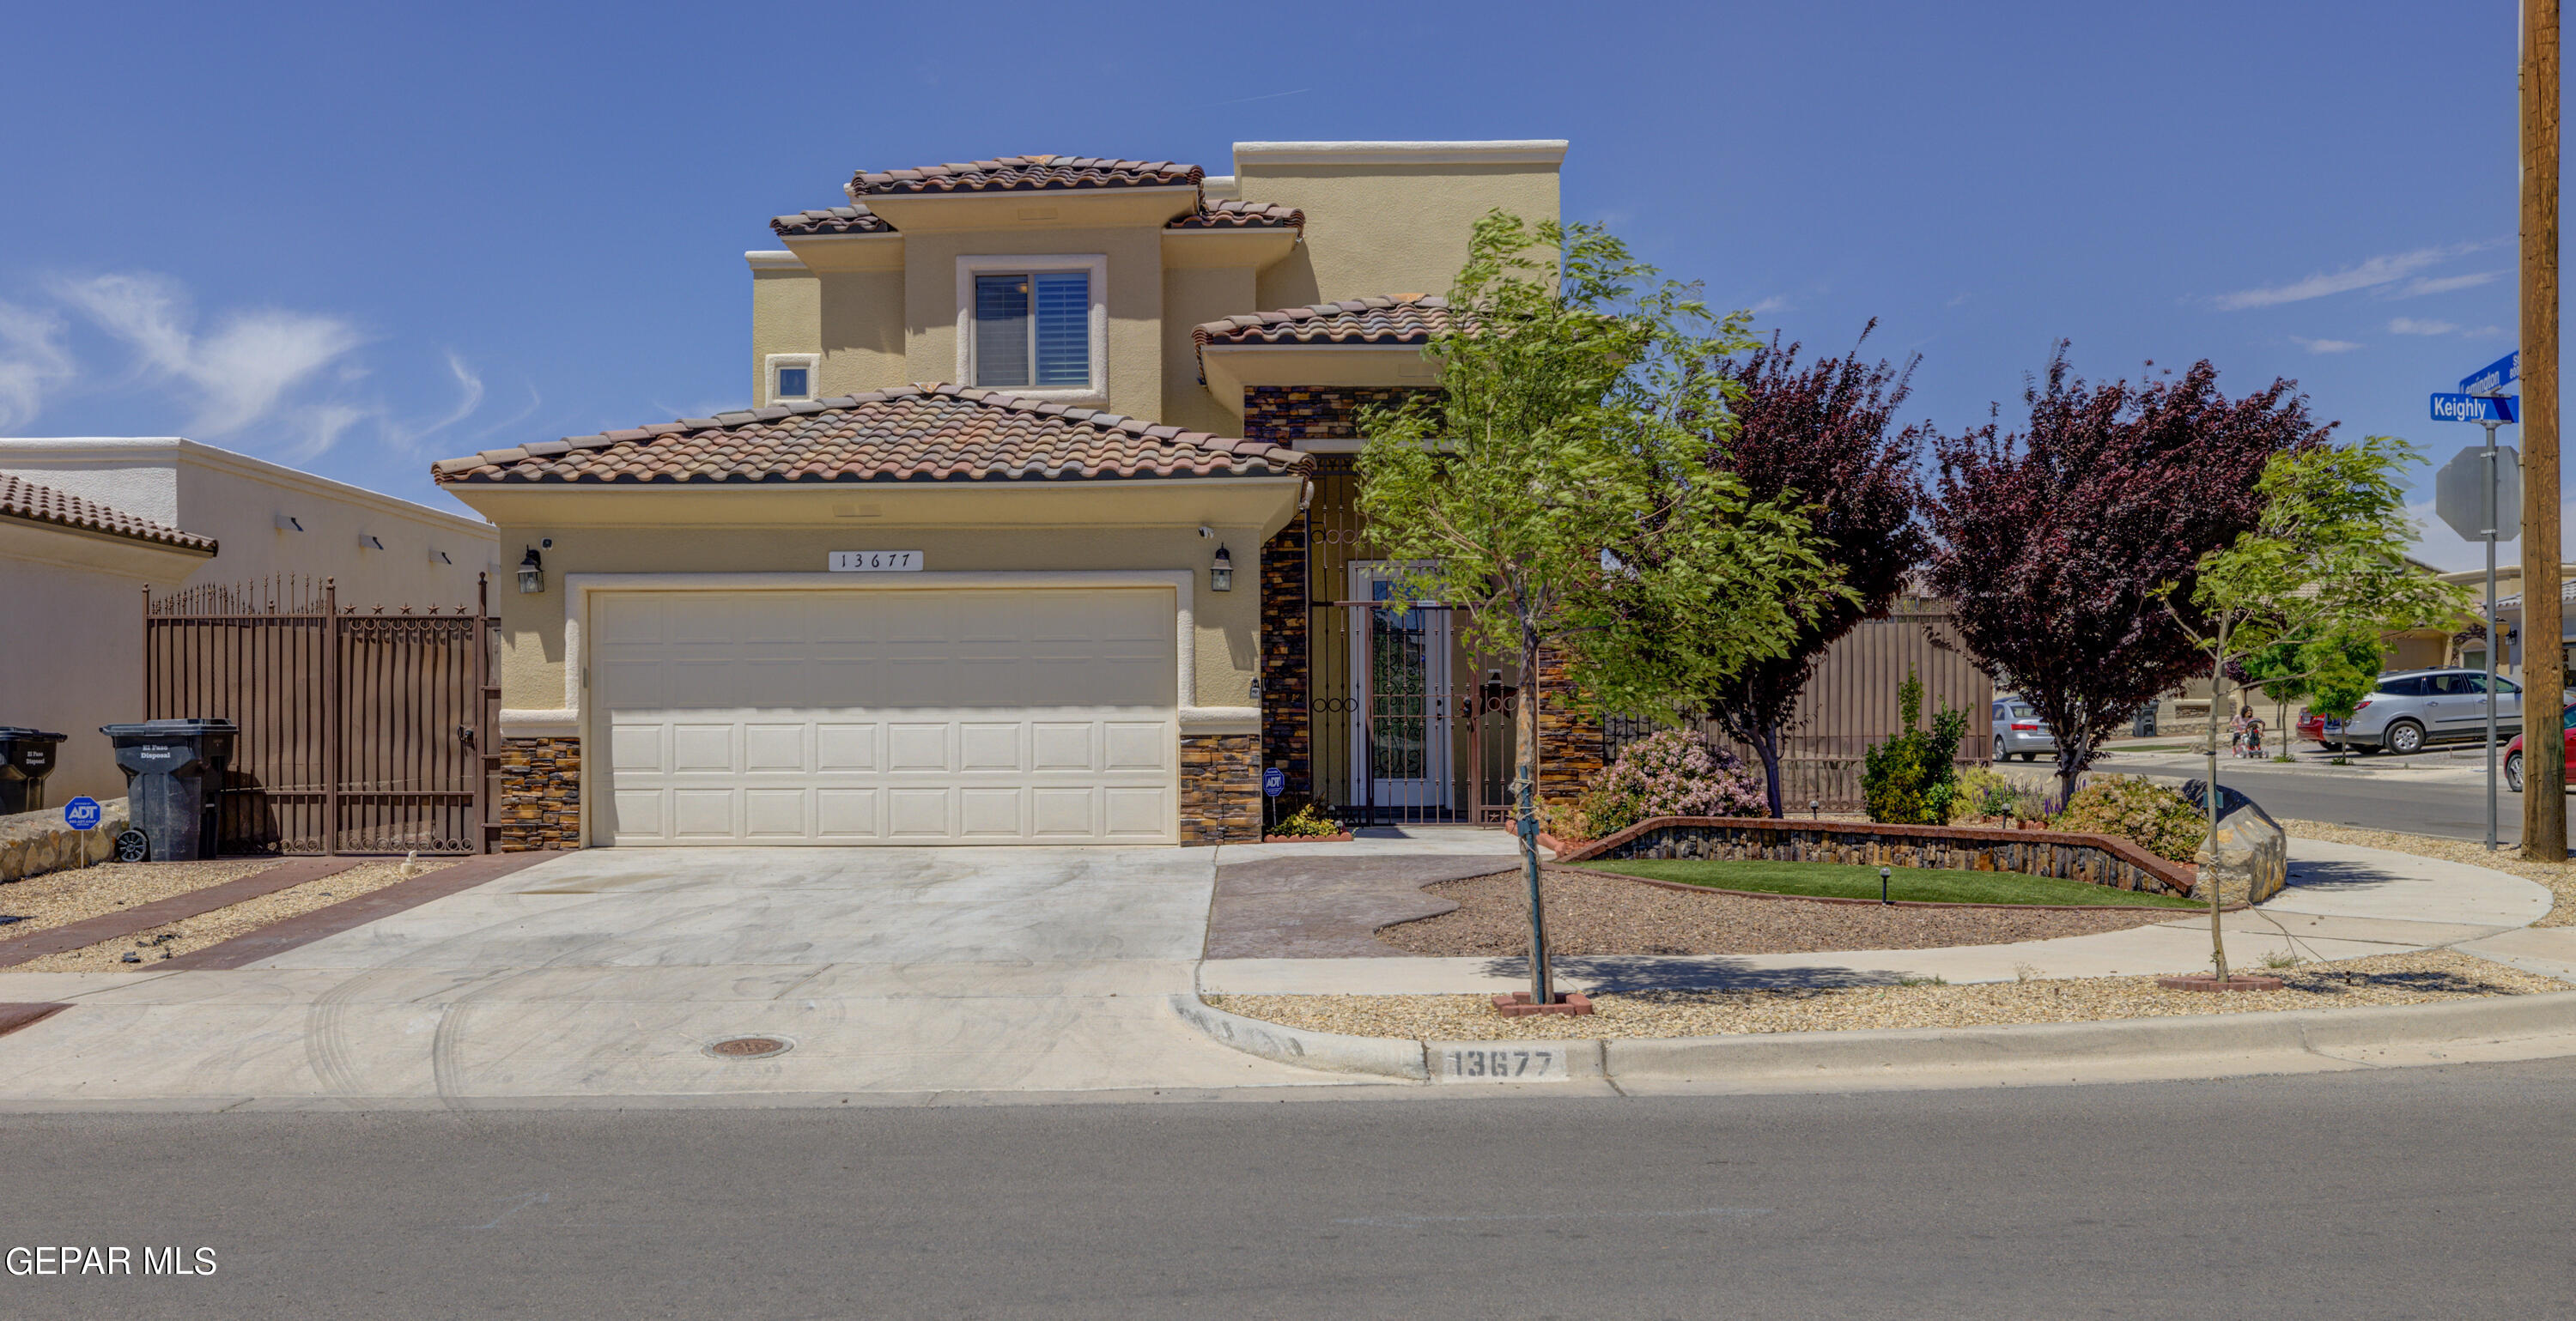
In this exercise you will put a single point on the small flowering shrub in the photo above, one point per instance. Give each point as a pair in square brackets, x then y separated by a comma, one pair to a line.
[1672, 773]
[1308, 821]
[1564, 819]
[2148, 815]
[1981, 793]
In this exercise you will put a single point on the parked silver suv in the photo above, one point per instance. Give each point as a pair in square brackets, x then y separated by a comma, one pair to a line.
[2412, 708]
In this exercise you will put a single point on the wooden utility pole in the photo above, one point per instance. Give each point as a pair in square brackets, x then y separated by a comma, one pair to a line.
[2544, 786]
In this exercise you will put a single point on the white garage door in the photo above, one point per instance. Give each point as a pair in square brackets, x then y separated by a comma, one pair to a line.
[886, 716]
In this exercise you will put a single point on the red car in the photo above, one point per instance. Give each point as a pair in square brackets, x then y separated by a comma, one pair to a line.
[2513, 752]
[2312, 727]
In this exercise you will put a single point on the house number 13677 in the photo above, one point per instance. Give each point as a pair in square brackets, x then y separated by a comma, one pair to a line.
[876, 561]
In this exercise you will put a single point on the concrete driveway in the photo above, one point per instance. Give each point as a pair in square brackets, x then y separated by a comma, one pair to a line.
[607, 973]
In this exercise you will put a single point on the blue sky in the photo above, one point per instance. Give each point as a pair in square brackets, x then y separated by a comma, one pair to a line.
[359, 238]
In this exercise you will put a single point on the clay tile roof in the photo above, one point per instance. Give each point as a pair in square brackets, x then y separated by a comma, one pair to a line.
[1378, 319]
[26, 500]
[838, 220]
[1026, 174]
[1242, 215]
[898, 434]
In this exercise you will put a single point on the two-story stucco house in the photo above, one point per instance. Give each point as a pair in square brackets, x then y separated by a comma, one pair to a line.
[1040, 529]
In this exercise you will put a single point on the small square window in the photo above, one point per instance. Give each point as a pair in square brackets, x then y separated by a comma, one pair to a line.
[792, 382]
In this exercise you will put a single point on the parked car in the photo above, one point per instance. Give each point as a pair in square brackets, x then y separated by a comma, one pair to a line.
[2312, 727]
[2513, 751]
[2408, 710]
[2018, 728]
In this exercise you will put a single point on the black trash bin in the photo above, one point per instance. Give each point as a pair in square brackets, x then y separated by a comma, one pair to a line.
[27, 756]
[174, 775]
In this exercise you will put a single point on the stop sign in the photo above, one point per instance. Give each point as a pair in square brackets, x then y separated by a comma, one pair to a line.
[2460, 494]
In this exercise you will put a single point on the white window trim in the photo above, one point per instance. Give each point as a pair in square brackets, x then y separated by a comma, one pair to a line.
[1096, 264]
[811, 362]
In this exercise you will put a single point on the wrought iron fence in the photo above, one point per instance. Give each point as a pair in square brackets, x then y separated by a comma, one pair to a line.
[359, 732]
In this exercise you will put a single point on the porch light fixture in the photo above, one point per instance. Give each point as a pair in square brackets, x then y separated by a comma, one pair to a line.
[532, 573]
[1221, 571]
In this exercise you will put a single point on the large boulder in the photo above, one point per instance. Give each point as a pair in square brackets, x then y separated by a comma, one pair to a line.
[2249, 855]
[34, 843]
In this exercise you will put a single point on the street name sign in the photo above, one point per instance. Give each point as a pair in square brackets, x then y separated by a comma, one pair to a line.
[2460, 496]
[2472, 408]
[2494, 376]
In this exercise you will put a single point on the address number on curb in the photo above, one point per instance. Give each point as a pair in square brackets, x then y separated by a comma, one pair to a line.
[1503, 1064]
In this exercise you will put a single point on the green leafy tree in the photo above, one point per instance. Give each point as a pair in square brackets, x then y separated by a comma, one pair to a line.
[2323, 566]
[1558, 489]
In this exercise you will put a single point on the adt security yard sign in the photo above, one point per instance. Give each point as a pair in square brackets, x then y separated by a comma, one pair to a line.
[1274, 782]
[2494, 376]
[81, 813]
[2472, 408]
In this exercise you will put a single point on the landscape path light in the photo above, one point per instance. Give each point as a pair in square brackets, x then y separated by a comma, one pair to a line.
[1882, 886]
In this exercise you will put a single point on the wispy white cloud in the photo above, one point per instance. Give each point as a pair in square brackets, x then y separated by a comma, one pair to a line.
[2326, 345]
[239, 372]
[2407, 325]
[469, 397]
[2422, 285]
[535, 401]
[1769, 305]
[2377, 271]
[33, 361]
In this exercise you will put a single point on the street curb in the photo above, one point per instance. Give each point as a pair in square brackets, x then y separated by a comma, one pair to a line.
[1332, 1052]
[1820, 1056]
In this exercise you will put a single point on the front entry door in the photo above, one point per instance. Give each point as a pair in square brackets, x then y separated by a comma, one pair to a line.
[1402, 718]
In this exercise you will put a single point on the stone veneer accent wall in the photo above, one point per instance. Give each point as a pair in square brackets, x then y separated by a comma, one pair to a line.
[540, 794]
[1289, 415]
[1220, 788]
[1569, 740]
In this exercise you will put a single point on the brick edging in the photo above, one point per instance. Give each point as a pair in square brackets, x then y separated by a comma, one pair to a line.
[305, 928]
[162, 912]
[2172, 873]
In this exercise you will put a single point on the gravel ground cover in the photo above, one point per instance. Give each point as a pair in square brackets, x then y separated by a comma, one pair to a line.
[1605, 915]
[2560, 878]
[196, 933]
[64, 897]
[2386, 979]
[1852, 881]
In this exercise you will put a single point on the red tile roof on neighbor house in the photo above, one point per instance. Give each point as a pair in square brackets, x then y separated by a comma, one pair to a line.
[910, 433]
[837, 220]
[1026, 174]
[23, 499]
[1231, 214]
[1379, 319]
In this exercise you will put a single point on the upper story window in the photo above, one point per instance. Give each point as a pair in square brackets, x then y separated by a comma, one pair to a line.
[1033, 328]
[791, 376]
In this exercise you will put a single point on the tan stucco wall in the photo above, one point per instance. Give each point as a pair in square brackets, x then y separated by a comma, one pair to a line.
[1134, 301]
[786, 317]
[71, 643]
[1193, 296]
[862, 331]
[1227, 623]
[1387, 228]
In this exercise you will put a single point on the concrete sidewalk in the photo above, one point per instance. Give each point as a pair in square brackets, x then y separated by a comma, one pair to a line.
[2343, 902]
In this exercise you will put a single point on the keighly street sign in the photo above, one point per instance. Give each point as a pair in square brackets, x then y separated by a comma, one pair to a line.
[2494, 376]
[2460, 497]
[2472, 408]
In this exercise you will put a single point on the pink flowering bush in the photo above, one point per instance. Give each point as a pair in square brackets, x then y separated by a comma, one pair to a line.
[1672, 773]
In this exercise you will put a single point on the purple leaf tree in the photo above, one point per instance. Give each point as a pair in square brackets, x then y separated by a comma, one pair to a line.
[1815, 436]
[2055, 544]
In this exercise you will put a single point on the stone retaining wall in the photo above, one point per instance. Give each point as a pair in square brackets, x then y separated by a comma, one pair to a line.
[34, 843]
[2094, 859]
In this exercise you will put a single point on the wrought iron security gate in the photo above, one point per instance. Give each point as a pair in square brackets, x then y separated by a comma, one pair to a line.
[360, 733]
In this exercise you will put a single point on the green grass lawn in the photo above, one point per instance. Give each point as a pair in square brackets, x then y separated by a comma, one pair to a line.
[1838, 881]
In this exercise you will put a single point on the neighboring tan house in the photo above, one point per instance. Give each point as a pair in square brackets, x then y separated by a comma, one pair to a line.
[99, 519]
[1041, 529]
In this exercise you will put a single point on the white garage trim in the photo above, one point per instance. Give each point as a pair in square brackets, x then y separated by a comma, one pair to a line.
[579, 588]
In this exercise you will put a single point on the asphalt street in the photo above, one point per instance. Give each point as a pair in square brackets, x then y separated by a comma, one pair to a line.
[2435, 1192]
[2454, 806]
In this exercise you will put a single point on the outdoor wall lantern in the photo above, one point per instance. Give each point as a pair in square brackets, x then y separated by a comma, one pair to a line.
[1221, 571]
[532, 573]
